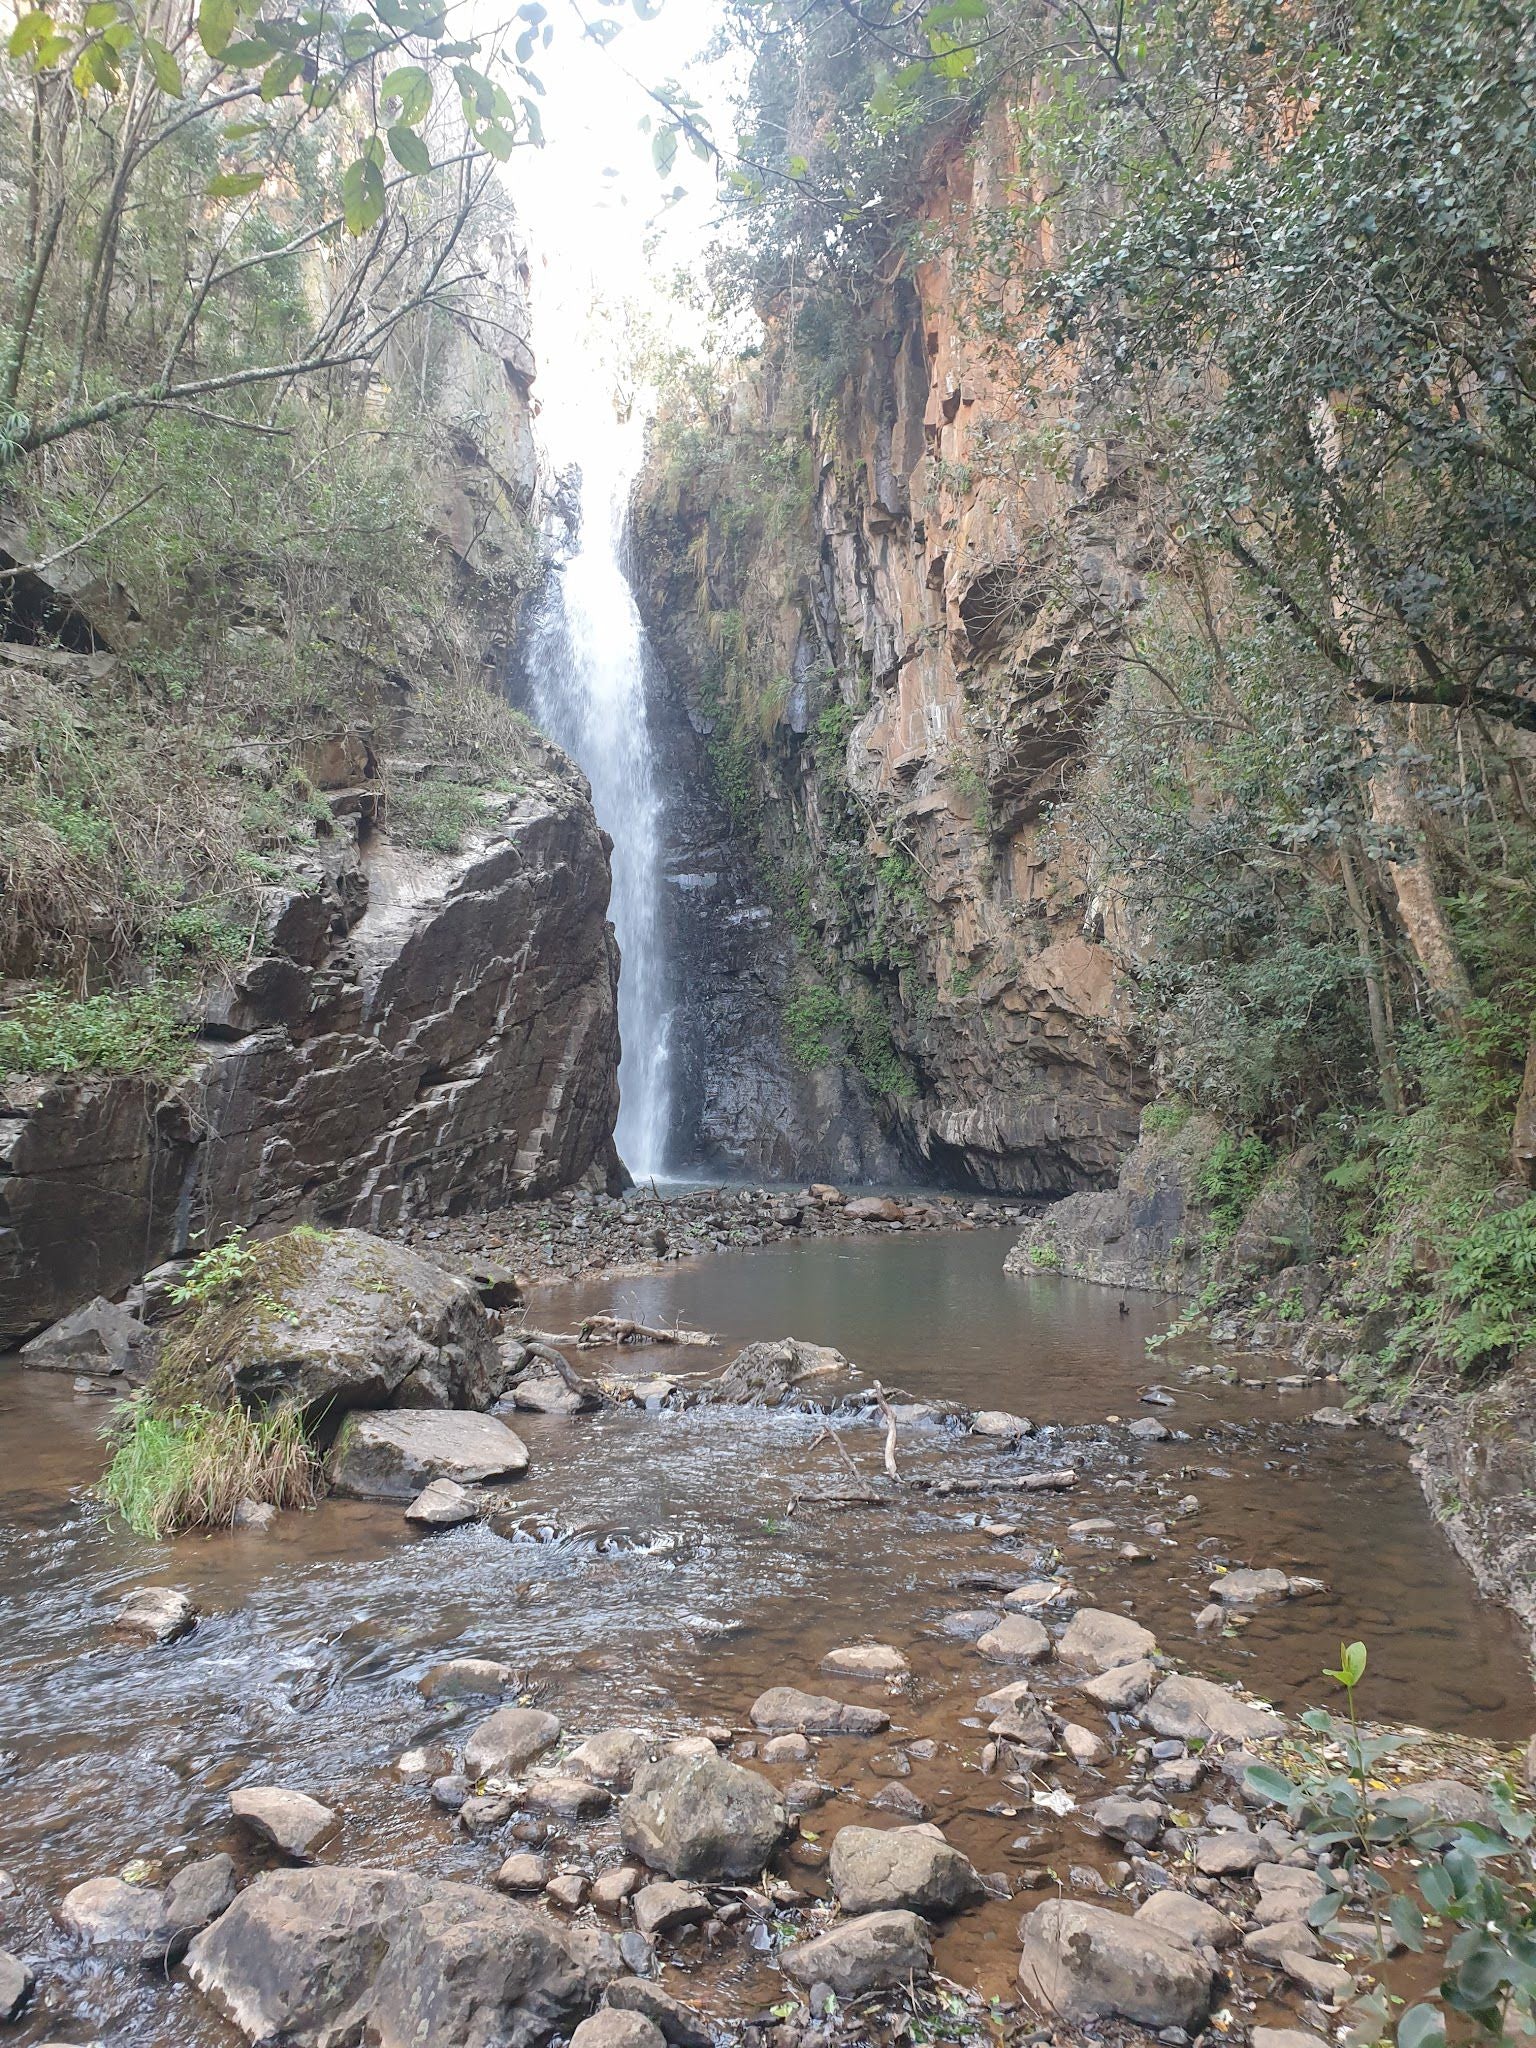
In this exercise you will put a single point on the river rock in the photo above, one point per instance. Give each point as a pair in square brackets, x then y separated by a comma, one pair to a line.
[1082, 1745]
[342, 1319]
[1084, 1963]
[16, 1984]
[107, 1913]
[875, 1952]
[1123, 1686]
[100, 1338]
[702, 1818]
[391, 1454]
[1188, 1919]
[1286, 1892]
[161, 1614]
[1251, 1588]
[466, 1678]
[567, 1797]
[1195, 1710]
[1449, 1800]
[1285, 2037]
[1128, 1820]
[1097, 1640]
[766, 1375]
[443, 1504]
[1329, 1983]
[1017, 1639]
[787, 1749]
[1274, 1940]
[998, 1422]
[501, 1744]
[680, 2027]
[613, 1756]
[785, 1710]
[873, 1869]
[291, 1821]
[523, 1871]
[567, 1888]
[549, 1394]
[866, 1660]
[873, 1209]
[610, 2029]
[198, 1893]
[1229, 1854]
[663, 1908]
[314, 1958]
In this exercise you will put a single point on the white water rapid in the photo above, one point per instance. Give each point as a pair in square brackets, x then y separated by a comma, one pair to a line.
[587, 658]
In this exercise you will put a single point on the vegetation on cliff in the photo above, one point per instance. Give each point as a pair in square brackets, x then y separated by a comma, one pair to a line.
[1225, 480]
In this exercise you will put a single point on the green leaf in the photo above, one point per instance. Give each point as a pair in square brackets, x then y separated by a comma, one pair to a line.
[1407, 1922]
[411, 85]
[279, 75]
[1421, 2027]
[99, 14]
[215, 24]
[1351, 1666]
[1268, 1783]
[30, 33]
[409, 151]
[362, 195]
[499, 141]
[235, 184]
[167, 71]
[251, 53]
[478, 92]
[664, 150]
[603, 30]
[1437, 1888]
[535, 123]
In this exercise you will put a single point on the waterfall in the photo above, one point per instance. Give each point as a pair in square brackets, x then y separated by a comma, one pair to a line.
[587, 657]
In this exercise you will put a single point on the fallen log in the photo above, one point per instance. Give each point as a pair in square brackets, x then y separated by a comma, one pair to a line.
[604, 1329]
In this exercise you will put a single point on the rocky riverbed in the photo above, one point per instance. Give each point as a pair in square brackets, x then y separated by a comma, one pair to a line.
[696, 1722]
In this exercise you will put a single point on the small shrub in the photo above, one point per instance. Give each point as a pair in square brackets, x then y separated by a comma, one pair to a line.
[1167, 1117]
[1046, 1256]
[136, 1031]
[816, 1025]
[435, 814]
[1492, 1281]
[193, 1468]
[1230, 1178]
[217, 1271]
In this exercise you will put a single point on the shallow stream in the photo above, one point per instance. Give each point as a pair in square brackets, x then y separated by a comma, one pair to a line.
[669, 1570]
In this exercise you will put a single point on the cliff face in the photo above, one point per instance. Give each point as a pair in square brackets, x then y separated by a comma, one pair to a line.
[957, 595]
[424, 1014]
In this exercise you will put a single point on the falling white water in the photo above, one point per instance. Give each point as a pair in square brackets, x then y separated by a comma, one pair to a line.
[587, 658]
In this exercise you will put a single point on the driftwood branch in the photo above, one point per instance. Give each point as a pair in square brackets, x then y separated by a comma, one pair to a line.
[621, 1330]
[888, 1412]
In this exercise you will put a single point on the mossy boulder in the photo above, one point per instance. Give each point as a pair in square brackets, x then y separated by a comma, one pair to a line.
[327, 1320]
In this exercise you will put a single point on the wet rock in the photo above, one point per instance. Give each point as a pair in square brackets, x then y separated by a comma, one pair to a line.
[484, 1813]
[997, 1422]
[612, 1887]
[1084, 1963]
[702, 1818]
[876, 1952]
[549, 1394]
[1094, 1525]
[680, 2026]
[451, 1791]
[291, 1821]
[766, 1375]
[1128, 1820]
[568, 1889]
[317, 1957]
[1196, 1710]
[567, 1798]
[1003, 1697]
[1327, 1982]
[874, 1869]
[1277, 1939]
[1251, 1588]
[786, 1749]
[197, 1894]
[866, 1660]
[967, 1624]
[874, 1209]
[161, 1614]
[1037, 1595]
[693, 1745]
[466, 1678]
[443, 1504]
[1191, 1920]
[637, 1952]
[804, 1795]
[1148, 1430]
[1097, 1640]
[253, 1514]
[500, 1745]
[1123, 1687]
[1332, 1418]
[610, 2029]
[613, 1756]
[1017, 1639]
[897, 1799]
[524, 1871]
[1229, 1854]
[663, 1908]
[1082, 1745]
[1285, 2037]
[107, 1913]
[100, 1338]
[16, 1985]
[784, 1710]
[392, 1454]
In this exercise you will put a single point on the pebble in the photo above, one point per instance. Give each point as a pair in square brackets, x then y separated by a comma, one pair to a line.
[161, 1614]
[568, 1889]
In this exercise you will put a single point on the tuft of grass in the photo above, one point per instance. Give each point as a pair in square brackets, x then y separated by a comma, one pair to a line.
[193, 1468]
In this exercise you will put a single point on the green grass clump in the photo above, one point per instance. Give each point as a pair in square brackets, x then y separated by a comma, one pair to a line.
[133, 1031]
[436, 815]
[193, 1468]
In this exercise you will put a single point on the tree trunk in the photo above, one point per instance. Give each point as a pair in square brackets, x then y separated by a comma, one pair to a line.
[1523, 1149]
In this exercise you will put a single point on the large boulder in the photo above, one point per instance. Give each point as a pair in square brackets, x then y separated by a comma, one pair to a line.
[875, 1868]
[1084, 1963]
[875, 1952]
[324, 1320]
[392, 1454]
[765, 1375]
[99, 1338]
[700, 1817]
[785, 1710]
[317, 1958]
[1097, 1640]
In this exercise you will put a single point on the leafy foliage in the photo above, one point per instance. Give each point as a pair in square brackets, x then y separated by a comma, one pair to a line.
[140, 1031]
[193, 1469]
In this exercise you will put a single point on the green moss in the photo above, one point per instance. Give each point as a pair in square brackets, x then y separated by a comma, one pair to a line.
[817, 1024]
[235, 1295]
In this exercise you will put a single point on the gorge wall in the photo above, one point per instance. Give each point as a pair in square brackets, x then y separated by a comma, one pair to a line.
[888, 625]
[423, 1012]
